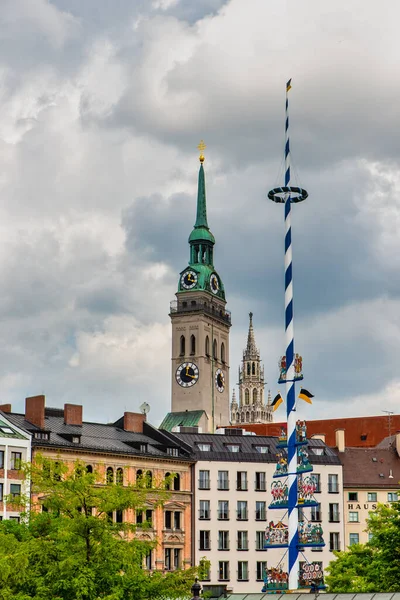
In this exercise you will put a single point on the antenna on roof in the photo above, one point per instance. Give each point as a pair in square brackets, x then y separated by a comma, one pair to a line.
[389, 414]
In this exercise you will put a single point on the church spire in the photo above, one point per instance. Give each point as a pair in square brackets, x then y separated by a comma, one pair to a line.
[251, 348]
[201, 239]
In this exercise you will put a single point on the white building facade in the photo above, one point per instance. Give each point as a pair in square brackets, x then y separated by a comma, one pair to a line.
[231, 498]
[15, 448]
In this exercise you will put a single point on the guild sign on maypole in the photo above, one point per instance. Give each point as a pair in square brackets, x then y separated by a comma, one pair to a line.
[290, 494]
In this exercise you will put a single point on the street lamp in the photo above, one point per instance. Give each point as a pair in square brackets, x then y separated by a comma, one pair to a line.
[196, 589]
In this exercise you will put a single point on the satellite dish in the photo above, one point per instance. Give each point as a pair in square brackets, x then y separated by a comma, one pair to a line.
[144, 408]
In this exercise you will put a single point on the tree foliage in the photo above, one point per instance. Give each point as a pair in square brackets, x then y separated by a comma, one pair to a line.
[69, 547]
[375, 566]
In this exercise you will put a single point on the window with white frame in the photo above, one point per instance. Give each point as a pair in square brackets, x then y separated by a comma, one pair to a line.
[372, 497]
[353, 516]
[333, 484]
[334, 516]
[242, 540]
[261, 511]
[260, 540]
[232, 447]
[242, 510]
[204, 480]
[261, 570]
[260, 482]
[223, 540]
[16, 459]
[223, 570]
[204, 543]
[204, 512]
[223, 510]
[243, 570]
[392, 497]
[241, 481]
[223, 480]
[334, 541]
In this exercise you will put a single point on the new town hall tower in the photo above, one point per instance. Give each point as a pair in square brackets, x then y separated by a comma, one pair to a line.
[200, 327]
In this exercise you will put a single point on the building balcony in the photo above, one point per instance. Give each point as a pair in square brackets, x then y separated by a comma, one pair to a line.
[196, 305]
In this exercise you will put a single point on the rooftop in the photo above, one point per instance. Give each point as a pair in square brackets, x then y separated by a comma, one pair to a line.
[370, 467]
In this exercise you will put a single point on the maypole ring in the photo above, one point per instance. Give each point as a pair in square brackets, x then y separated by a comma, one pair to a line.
[279, 194]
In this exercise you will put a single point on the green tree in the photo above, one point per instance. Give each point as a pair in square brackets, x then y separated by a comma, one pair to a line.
[375, 566]
[72, 549]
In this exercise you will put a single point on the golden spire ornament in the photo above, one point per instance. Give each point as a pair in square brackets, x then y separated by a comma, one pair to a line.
[201, 147]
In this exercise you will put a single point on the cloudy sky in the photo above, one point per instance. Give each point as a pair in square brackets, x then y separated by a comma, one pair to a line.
[102, 105]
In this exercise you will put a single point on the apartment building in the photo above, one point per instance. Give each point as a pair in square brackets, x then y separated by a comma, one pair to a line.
[231, 497]
[124, 452]
[370, 476]
[15, 447]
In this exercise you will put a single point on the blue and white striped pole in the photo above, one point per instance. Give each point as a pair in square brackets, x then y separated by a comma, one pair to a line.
[289, 195]
[290, 389]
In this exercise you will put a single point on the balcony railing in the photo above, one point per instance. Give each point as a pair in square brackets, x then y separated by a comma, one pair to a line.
[200, 305]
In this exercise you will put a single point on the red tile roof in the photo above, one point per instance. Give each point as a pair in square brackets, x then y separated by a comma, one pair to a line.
[374, 429]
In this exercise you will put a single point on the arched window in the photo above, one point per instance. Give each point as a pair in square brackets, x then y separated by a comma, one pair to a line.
[110, 475]
[177, 482]
[252, 417]
[139, 476]
[248, 368]
[246, 397]
[207, 346]
[253, 369]
[192, 345]
[237, 417]
[223, 352]
[149, 479]
[215, 350]
[89, 469]
[167, 483]
[119, 478]
[182, 346]
[242, 418]
[247, 417]
[255, 396]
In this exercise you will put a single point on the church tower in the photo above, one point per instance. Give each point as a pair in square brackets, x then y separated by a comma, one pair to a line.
[200, 327]
[251, 407]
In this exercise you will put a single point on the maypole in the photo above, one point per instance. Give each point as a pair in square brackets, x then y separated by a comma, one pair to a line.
[289, 195]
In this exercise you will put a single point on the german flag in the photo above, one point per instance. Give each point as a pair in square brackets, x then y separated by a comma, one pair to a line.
[306, 395]
[288, 85]
[277, 401]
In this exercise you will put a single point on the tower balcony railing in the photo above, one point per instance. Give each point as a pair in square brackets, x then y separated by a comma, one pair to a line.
[200, 305]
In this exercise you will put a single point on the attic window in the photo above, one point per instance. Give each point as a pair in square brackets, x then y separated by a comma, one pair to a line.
[173, 451]
[233, 448]
[42, 435]
[261, 449]
[204, 447]
[143, 447]
[76, 439]
[5, 429]
[381, 475]
[317, 451]
[374, 459]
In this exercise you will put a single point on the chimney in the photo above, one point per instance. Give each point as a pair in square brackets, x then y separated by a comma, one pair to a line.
[318, 436]
[398, 443]
[339, 438]
[5, 408]
[34, 410]
[134, 422]
[73, 414]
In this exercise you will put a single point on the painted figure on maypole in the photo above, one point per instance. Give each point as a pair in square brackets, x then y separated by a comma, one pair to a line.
[295, 491]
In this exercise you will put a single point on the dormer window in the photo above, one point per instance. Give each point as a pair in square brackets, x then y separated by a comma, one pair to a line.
[41, 435]
[261, 449]
[173, 451]
[143, 447]
[76, 439]
[204, 447]
[233, 448]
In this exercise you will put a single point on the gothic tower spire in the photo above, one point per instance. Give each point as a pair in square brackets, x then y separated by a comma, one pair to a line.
[251, 408]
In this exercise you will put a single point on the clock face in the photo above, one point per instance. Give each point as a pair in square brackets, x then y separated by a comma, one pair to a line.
[220, 380]
[214, 283]
[189, 280]
[187, 374]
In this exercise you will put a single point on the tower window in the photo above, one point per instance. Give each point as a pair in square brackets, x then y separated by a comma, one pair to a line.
[192, 345]
[223, 352]
[207, 346]
[248, 368]
[182, 346]
[215, 350]
[246, 397]
[253, 369]
[255, 396]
